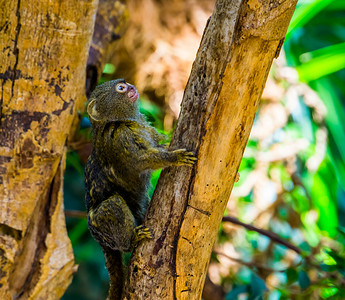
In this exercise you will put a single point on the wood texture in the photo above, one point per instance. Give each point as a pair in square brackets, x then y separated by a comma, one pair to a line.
[239, 43]
[44, 49]
[111, 22]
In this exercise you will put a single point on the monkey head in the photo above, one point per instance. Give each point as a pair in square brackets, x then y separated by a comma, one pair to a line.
[114, 100]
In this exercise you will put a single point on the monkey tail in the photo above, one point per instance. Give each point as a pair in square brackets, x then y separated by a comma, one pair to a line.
[113, 262]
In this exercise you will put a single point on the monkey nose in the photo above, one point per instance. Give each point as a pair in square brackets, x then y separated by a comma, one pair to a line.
[132, 93]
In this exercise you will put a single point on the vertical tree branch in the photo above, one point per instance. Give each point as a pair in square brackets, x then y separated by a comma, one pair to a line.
[111, 21]
[219, 105]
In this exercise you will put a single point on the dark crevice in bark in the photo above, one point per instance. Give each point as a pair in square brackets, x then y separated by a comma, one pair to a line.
[177, 235]
[1, 100]
[9, 231]
[15, 48]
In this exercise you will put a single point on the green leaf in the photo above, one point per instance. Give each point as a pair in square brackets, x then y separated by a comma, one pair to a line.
[324, 197]
[322, 62]
[72, 160]
[305, 12]
[236, 291]
[338, 5]
[291, 275]
[154, 179]
[152, 112]
[300, 203]
[328, 292]
[109, 69]
[335, 123]
[303, 280]
[330, 51]
[341, 230]
[257, 287]
[312, 231]
[305, 247]
[328, 268]
[339, 259]
[77, 231]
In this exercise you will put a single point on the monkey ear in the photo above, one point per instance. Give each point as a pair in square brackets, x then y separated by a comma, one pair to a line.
[91, 110]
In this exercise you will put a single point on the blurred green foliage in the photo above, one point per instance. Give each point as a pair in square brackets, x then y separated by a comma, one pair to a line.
[309, 211]
[308, 208]
[315, 46]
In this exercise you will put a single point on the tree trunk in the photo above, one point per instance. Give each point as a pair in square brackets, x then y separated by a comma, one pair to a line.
[219, 105]
[44, 49]
[111, 22]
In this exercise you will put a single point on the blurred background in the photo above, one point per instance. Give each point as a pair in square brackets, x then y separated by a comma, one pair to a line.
[291, 190]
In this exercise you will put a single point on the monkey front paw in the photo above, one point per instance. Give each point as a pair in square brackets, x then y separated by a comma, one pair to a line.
[185, 157]
[141, 232]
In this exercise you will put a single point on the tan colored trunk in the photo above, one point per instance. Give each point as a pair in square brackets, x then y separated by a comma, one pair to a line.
[239, 43]
[44, 49]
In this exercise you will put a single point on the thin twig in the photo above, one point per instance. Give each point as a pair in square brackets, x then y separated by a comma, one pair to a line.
[250, 264]
[75, 214]
[274, 237]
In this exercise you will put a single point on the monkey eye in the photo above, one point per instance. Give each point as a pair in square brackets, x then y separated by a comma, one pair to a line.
[121, 87]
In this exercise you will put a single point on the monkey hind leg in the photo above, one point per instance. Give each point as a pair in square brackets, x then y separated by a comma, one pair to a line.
[112, 224]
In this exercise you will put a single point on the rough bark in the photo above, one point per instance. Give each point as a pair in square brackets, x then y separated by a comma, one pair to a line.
[44, 49]
[111, 21]
[221, 97]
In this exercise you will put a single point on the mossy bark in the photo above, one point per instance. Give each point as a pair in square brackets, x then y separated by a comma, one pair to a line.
[241, 39]
[44, 50]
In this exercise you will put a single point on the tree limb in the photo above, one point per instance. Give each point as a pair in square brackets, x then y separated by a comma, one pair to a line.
[111, 21]
[75, 214]
[44, 49]
[250, 264]
[274, 237]
[239, 43]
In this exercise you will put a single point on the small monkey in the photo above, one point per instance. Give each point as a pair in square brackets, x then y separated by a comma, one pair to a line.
[117, 175]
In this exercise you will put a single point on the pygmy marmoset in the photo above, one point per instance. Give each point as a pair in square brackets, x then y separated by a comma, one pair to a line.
[117, 175]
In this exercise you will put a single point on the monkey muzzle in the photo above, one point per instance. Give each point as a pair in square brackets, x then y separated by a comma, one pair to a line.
[132, 93]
